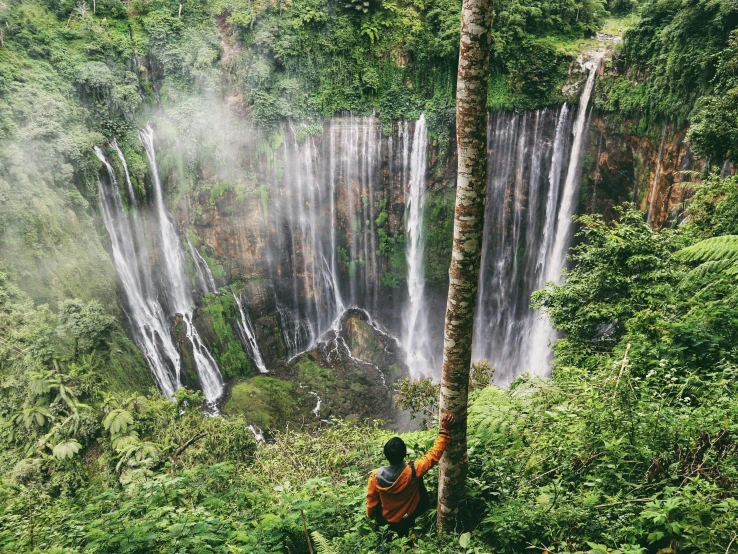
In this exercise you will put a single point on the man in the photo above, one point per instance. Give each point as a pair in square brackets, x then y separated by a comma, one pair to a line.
[396, 494]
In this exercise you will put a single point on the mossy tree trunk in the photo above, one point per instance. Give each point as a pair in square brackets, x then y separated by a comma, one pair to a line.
[471, 140]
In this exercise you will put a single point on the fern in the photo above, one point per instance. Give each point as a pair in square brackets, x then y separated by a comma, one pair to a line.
[717, 255]
[324, 547]
[118, 421]
[704, 270]
[493, 414]
[37, 414]
[66, 449]
[715, 249]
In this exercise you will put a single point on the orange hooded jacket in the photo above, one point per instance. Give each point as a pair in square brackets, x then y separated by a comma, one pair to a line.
[399, 499]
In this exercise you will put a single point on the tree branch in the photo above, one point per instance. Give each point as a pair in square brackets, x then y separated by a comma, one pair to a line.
[181, 449]
[307, 536]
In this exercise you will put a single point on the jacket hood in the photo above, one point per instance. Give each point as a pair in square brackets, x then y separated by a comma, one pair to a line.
[392, 479]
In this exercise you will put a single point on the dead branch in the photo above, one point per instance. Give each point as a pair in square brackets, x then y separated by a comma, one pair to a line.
[181, 449]
[307, 536]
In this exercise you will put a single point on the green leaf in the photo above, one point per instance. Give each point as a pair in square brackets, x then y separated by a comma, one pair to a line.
[118, 421]
[67, 449]
[464, 540]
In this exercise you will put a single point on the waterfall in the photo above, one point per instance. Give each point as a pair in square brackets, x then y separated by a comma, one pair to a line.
[257, 432]
[321, 240]
[332, 201]
[176, 281]
[543, 335]
[560, 145]
[149, 324]
[373, 144]
[570, 195]
[137, 228]
[326, 190]
[405, 130]
[532, 194]
[204, 275]
[248, 337]
[316, 410]
[415, 318]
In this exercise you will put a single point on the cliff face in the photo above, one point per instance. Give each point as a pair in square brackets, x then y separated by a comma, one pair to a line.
[313, 224]
[285, 235]
[319, 224]
[623, 164]
[297, 228]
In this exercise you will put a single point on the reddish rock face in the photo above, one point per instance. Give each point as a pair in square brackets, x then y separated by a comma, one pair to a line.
[623, 165]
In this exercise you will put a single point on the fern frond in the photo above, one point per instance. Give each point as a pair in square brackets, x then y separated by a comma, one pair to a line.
[714, 249]
[706, 269]
[324, 547]
[492, 415]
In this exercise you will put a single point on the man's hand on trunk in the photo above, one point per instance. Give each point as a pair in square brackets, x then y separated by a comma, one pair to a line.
[447, 421]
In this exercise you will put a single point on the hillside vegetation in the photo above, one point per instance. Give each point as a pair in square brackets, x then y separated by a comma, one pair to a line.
[629, 448]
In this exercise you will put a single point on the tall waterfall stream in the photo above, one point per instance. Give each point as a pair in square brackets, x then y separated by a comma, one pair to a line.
[528, 230]
[321, 224]
[415, 337]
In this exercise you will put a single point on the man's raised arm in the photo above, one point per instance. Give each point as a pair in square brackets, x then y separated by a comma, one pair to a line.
[434, 454]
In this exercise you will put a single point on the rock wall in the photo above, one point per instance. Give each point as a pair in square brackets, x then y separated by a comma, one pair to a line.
[624, 164]
[234, 228]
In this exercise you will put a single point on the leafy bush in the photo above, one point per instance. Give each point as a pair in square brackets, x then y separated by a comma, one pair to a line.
[675, 66]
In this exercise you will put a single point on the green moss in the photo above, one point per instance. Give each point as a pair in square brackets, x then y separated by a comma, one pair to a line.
[620, 97]
[439, 233]
[126, 371]
[215, 268]
[392, 247]
[381, 219]
[618, 25]
[267, 402]
[498, 93]
[342, 254]
[221, 187]
[262, 191]
[308, 130]
[220, 311]
[318, 379]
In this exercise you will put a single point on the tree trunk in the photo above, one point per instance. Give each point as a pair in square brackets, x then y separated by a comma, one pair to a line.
[471, 185]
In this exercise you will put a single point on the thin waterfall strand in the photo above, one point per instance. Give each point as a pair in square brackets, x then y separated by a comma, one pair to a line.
[248, 337]
[149, 324]
[208, 371]
[656, 176]
[204, 275]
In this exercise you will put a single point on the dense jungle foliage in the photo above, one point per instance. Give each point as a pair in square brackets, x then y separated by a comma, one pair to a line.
[677, 66]
[629, 448]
